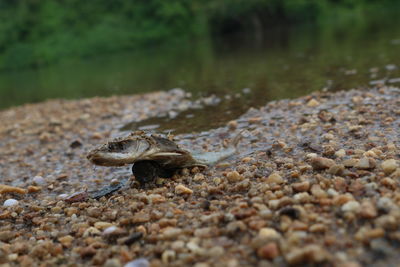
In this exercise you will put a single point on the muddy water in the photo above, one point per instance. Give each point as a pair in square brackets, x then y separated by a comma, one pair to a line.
[243, 71]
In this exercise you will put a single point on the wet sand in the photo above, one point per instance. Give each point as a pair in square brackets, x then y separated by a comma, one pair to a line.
[315, 181]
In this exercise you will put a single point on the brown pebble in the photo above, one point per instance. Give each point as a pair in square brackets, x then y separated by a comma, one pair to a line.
[140, 217]
[234, 176]
[66, 241]
[368, 210]
[320, 163]
[275, 178]
[302, 186]
[308, 254]
[88, 251]
[268, 251]
[33, 189]
[232, 125]
[312, 103]
[6, 236]
[180, 189]
[11, 189]
[389, 166]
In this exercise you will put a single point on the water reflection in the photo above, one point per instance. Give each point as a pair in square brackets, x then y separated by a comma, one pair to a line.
[283, 63]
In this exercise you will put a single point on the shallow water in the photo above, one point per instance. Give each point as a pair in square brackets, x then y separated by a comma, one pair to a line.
[246, 70]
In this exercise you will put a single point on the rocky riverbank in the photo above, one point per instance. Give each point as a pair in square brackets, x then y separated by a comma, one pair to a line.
[315, 181]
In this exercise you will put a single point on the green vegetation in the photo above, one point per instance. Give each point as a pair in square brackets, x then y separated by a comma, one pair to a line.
[36, 33]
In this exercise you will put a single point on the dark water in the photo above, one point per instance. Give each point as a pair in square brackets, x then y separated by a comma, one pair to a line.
[281, 63]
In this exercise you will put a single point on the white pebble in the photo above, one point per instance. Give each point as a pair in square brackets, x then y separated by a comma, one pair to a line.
[10, 202]
[352, 206]
[109, 230]
[39, 180]
[141, 262]
[62, 196]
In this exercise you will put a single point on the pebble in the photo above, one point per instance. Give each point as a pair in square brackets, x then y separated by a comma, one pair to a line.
[368, 210]
[168, 256]
[112, 263]
[10, 202]
[39, 180]
[302, 186]
[268, 251]
[11, 189]
[141, 262]
[6, 236]
[268, 233]
[365, 163]
[351, 206]
[307, 254]
[320, 163]
[275, 178]
[172, 233]
[386, 204]
[234, 176]
[233, 125]
[102, 225]
[66, 241]
[389, 166]
[183, 190]
[313, 103]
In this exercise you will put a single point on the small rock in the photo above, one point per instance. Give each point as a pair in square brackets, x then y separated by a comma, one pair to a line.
[232, 125]
[313, 103]
[340, 153]
[10, 202]
[234, 176]
[168, 256]
[110, 230]
[351, 206]
[91, 231]
[75, 144]
[320, 163]
[140, 217]
[33, 189]
[317, 191]
[368, 210]
[102, 225]
[302, 186]
[386, 204]
[39, 180]
[172, 233]
[216, 251]
[269, 233]
[6, 236]
[336, 169]
[180, 189]
[275, 178]
[268, 251]
[141, 262]
[66, 241]
[365, 163]
[11, 189]
[112, 263]
[307, 254]
[389, 166]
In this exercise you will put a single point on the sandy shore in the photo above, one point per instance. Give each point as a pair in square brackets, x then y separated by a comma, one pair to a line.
[315, 181]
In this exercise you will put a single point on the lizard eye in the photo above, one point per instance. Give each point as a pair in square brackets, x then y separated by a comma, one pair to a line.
[114, 146]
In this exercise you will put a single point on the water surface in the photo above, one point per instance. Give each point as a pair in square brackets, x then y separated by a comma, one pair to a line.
[272, 64]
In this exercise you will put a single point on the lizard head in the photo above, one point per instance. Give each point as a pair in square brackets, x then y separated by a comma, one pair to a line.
[120, 151]
[136, 147]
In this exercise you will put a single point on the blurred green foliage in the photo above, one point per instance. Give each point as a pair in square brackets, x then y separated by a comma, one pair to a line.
[39, 32]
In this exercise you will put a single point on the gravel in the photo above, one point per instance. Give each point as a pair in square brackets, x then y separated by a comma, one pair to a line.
[315, 181]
